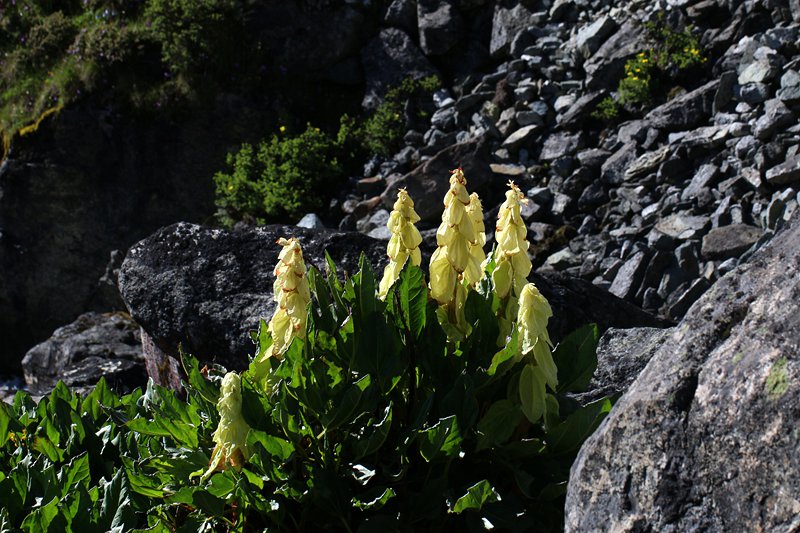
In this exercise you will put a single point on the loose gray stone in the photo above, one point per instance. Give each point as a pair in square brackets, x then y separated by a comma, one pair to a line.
[311, 221]
[561, 144]
[757, 72]
[440, 26]
[685, 112]
[613, 170]
[729, 241]
[704, 178]
[776, 115]
[621, 356]
[590, 37]
[521, 137]
[647, 163]
[786, 173]
[629, 278]
[682, 226]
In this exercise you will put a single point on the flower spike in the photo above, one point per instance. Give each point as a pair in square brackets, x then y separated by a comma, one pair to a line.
[404, 243]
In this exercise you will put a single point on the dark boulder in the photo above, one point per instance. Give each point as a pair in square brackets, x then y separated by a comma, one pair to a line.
[95, 345]
[207, 289]
[705, 439]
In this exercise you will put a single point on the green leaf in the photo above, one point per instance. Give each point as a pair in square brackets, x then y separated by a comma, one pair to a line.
[117, 510]
[73, 473]
[375, 437]
[532, 392]
[277, 447]
[443, 438]
[476, 497]
[375, 499]
[182, 433]
[45, 446]
[40, 519]
[413, 295]
[345, 406]
[572, 432]
[576, 358]
[6, 418]
[480, 315]
[101, 396]
[498, 423]
[461, 402]
[508, 353]
[221, 485]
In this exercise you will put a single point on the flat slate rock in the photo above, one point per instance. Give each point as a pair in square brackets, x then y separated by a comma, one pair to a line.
[729, 241]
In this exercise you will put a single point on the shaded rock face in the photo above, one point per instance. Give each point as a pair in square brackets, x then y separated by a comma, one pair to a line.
[95, 345]
[207, 289]
[90, 183]
[705, 439]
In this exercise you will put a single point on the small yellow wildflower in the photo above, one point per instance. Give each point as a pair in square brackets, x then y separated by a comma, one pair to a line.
[231, 435]
[282, 129]
[403, 244]
[292, 295]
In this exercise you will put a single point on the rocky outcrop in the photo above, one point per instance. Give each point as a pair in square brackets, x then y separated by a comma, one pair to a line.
[206, 290]
[705, 439]
[95, 345]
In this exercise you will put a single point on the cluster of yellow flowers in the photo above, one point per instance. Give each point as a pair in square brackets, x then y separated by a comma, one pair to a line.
[457, 266]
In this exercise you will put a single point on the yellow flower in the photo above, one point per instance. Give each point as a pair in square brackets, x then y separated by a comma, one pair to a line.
[511, 254]
[474, 272]
[403, 244]
[282, 129]
[534, 313]
[292, 295]
[455, 260]
[231, 435]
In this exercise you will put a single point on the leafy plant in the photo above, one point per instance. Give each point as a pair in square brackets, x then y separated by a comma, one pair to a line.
[672, 53]
[285, 176]
[383, 130]
[367, 407]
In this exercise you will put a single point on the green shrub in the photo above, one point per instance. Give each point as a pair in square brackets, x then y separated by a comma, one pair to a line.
[376, 422]
[285, 176]
[672, 53]
[607, 110]
[382, 131]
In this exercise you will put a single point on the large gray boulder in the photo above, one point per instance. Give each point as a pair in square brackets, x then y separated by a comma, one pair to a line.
[207, 289]
[705, 439]
[95, 345]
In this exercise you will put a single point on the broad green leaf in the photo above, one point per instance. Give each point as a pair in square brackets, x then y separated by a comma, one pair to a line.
[182, 433]
[375, 499]
[40, 519]
[498, 423]
[572, 432]
[508, 353]
[443, 438]
[576, 358]
[532, 392]
[117, 510]
[197, 382]
[344, 407]
[461, 402]
[221, 485]
[481, 316]
[7, 418]
[75, 472]
[277, 447]
[101, 395]
[476, 497]
[413, 294]
[45, 446]
[376, 436]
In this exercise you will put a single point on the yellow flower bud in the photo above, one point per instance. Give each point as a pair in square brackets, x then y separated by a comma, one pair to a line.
[512, 245]
[534, 313]
[292, 295]
[456, 259]
[231, 435]
[403, 244]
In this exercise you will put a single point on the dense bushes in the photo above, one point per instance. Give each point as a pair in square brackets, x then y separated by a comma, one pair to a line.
[289, 175]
